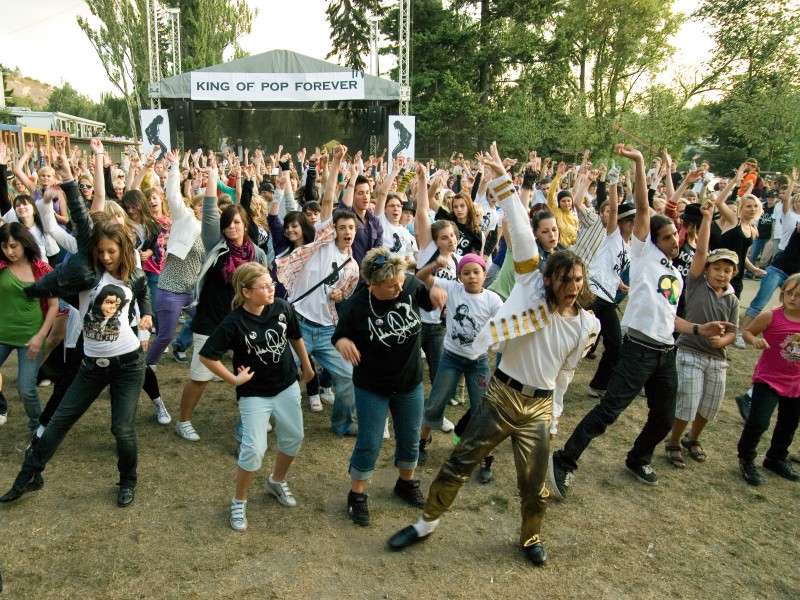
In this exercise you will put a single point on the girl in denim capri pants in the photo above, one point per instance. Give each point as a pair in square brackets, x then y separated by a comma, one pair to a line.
[265, 377]
[701, 361]
[469, 307]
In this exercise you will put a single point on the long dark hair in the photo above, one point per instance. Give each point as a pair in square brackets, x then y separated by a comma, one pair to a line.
[559, 265]
[657, 223]
[298, 216]
[116, 233]
[227, 216]
[19, 232]
[26, 199]
[137, 199]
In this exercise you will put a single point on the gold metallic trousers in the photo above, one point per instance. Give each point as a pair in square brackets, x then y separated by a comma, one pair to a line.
[503, 413]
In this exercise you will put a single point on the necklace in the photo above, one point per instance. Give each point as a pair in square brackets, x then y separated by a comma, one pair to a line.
[378, 318]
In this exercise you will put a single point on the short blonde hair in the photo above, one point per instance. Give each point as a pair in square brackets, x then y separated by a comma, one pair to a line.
[380, 265]
[243, 277]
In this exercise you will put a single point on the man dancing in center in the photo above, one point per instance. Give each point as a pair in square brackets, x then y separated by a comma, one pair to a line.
[546, 333]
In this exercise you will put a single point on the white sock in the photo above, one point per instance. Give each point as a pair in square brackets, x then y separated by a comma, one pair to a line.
[40, 431]
[750, 393]
[424, 527]
[271, 480]
[237, 501]
[155, 400]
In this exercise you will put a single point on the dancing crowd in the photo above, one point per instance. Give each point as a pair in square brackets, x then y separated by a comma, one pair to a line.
[340, 274]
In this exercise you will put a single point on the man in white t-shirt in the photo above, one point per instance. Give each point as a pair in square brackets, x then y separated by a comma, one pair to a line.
[647, 357]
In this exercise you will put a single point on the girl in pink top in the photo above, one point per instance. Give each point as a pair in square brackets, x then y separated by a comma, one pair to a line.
[776, 382]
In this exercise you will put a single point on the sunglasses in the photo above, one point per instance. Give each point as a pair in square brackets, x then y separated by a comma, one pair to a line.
[85, 186]
[379, 262]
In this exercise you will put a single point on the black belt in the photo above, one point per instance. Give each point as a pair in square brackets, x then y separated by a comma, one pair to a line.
[651, 345]
[302, 319]
[122, 359]
[525, 390]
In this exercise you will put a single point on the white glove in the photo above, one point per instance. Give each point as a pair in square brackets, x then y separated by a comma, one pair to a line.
[613, 173]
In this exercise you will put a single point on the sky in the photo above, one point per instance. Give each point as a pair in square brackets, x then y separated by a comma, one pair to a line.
[27, 29]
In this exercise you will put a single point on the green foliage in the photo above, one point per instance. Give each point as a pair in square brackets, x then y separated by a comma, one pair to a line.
[350, 30]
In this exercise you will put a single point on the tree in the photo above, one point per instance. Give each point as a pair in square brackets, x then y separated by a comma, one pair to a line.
[350, 30]
[68, 100]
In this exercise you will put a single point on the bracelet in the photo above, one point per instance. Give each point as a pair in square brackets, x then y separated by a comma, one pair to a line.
[236, 380]
[696, 329]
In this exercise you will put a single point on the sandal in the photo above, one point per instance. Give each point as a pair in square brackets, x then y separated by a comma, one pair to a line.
[695, 449]
[675, 461]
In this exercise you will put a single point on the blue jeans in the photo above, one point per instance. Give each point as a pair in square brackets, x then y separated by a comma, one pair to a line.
[372, 408]
[27, 370]
[124, 377]
[152, 285]
[432, 342]
[184, 339]
[317, 339]
[638, 367]
[757, 248]
[451, 367]
[169, 306]
[770, 282]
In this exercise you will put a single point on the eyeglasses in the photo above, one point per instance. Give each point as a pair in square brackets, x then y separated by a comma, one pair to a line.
[85, 186]
[792, 295]
[265, 288]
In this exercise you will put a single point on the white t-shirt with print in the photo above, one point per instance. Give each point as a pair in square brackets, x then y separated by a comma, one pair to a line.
[466, 315]
[397, 238]
[106, 312]
[612, 257]
[425, 255]
[655, 288]
[788, 225]
[315, 306]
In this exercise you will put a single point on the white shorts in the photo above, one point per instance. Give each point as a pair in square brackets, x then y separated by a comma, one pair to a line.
[197, 370]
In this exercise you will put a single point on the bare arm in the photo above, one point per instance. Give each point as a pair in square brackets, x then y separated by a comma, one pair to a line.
[19, 168]
[422, 220]
[326, 209]
[703, 236]
[787, 195]
[641, 222]
[383, 190]
[99, 177]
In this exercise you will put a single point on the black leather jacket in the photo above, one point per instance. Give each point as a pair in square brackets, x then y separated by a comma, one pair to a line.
[77, 274]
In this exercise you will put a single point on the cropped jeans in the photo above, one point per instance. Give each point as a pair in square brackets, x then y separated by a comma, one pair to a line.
[451, 367]
[27, 369]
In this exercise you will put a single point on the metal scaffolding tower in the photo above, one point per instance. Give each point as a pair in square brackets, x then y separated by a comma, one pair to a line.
[404, 58]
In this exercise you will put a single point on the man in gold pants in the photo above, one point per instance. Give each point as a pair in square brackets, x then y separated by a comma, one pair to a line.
[546, 333]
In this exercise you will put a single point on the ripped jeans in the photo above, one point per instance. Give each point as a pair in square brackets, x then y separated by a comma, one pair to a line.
[451, 367]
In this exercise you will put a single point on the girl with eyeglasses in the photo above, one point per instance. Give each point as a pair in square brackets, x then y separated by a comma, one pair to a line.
[260, 331]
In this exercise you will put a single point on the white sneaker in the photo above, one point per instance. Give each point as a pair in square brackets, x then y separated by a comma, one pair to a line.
[161, 412]
[3, 418]
[281, 491]
[447, 425]
[238, 516]
[386, 434]
[186, 431]
[739, 342]
[45, 383]
[269, 426]
[593, 393]
[153, 367]
[326, 395]
[314, 403]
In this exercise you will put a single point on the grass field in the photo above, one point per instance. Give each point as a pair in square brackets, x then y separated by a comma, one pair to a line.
[701, 533]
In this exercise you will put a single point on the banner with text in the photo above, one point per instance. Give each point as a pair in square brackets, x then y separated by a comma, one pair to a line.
[402, 138]
[278, 87]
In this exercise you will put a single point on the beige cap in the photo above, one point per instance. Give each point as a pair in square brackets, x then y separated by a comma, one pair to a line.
[722, 254]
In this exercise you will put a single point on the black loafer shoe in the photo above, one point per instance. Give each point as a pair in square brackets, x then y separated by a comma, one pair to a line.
[536, 554]
[35, 483]
[125, 496]
[405, 537]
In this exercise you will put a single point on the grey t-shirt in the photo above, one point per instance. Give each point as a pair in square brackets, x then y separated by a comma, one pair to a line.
[703, 305]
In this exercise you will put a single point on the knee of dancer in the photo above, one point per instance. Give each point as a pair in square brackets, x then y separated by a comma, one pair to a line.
[250, 457]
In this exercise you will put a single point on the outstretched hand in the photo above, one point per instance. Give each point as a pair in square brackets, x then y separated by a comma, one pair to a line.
[628, 151]
[493, 162]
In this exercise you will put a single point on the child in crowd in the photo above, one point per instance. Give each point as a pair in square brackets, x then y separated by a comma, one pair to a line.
[265, 377]
[469, 308]
[776, 382]
[701, 362]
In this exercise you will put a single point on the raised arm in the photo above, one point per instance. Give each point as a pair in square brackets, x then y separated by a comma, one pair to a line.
[99, 176]
[727, 214]
[422, 220]
[326, 209]
[641, 222]
[209, 231]
[19, 168]
[349, 191]
[5, 203]
[703, 236]
[787, 195]
[383, 191]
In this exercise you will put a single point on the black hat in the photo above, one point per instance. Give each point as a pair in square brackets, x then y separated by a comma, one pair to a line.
[266, 187]
[773, 194]
[409, 206]
[626, 211]
[692, 214]
[564, 194]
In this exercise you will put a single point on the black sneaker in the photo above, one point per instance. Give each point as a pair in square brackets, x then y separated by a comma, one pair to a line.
[559, 478]
[536, 554]
[782, 468]
[409, 492]
[644, 473]
[357, 508]
[180, 356]
[750, 472]
[422, 457]
[743, 404]
[485, 473]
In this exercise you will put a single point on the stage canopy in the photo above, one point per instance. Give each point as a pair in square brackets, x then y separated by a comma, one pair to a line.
[279, 79]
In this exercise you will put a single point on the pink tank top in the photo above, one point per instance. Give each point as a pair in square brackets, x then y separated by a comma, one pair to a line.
[779, 365]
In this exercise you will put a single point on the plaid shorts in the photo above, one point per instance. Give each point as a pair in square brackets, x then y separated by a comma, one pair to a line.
[701, 385]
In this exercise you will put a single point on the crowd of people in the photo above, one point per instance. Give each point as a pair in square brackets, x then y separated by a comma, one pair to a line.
[341, 273]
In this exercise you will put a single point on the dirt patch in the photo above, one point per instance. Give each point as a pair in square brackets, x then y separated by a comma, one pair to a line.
[701, 533]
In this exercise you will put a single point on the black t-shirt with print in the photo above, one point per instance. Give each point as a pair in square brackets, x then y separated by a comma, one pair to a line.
[389, 343]
[260, 342]
[468, 241]
[215, 299]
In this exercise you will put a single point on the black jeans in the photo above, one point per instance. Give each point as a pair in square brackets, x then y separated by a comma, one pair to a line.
[762, 405]
[638, 367]
[606, 312]
[124, 376]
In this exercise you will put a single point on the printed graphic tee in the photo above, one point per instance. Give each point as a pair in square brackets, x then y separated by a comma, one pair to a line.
[466, 315]
[106, 311]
